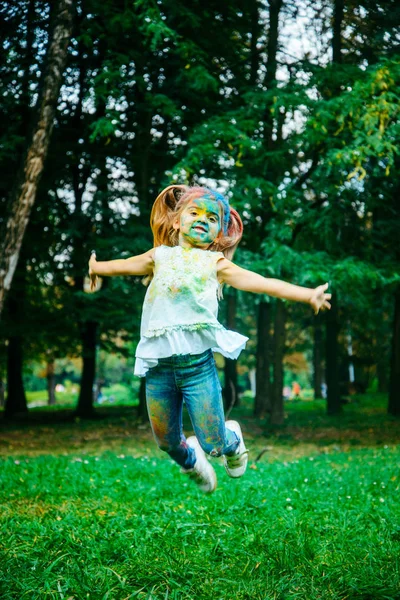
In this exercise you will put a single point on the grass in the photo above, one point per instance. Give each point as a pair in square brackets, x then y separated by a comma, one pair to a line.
[94, 510]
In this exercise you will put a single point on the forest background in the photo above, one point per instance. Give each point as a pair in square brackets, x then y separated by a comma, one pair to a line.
[289, 108]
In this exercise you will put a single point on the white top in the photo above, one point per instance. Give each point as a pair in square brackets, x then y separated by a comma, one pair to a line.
[180, 309]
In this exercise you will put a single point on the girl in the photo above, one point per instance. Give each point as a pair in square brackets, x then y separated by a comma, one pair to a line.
[195, 235]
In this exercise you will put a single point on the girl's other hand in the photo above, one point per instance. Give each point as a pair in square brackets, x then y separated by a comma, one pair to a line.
[319, 300]
[92, 274]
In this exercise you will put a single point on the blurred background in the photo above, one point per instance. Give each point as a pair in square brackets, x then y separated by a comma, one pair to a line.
[289, 108]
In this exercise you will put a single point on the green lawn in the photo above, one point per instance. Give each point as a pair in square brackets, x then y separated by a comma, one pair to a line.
[94, 510]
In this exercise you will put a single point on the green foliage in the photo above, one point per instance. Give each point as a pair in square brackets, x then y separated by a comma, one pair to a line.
[161, 91]
[364, 119]
[152, 25]
[103, 128]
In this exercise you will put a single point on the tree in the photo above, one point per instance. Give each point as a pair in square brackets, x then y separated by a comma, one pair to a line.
[27, 180]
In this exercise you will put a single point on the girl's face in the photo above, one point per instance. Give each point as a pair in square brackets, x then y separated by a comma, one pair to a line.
[199, 223]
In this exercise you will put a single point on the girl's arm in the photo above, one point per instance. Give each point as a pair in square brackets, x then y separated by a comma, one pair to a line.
[142, 264]
[242, 279]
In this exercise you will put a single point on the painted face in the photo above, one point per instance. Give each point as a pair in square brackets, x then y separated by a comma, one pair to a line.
[200, 223]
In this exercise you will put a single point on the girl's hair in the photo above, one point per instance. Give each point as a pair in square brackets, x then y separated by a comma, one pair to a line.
[170, 203]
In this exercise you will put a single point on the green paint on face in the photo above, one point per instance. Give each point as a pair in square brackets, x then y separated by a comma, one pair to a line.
[200, 223]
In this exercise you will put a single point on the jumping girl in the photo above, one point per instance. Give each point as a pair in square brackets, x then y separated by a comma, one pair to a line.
[196, 233]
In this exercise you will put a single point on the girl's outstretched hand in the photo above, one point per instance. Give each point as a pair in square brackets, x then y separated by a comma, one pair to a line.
[92, 275]
[319, 300]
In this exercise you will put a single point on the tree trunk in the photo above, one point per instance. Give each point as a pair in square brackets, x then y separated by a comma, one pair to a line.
[142, 407]
[382, 375]
[231, 395]
[317, 356]
[338, 14]
[16, 399]
[262, 403]
[142, 144]
[277, 412]
[140, 112]
[81, 231]
[27, 180]
[255, 34]
[2, 393]
[89, 329]
[272, 63]
[25, 102]
[271, 142]
[51, 382]
[394, 387]
[332, 358]
[275, 7]
[84, 408]
[97, 394]
[351, 372]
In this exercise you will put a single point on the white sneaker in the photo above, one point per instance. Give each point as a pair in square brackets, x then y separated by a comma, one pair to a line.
[236, 465]
[202, 473]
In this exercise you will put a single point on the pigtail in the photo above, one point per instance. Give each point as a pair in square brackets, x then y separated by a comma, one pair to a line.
[228, 243]
[235, 232]
[162, 212]
[161, 218]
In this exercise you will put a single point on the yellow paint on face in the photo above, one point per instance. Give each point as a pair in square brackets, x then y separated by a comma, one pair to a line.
[200, 223]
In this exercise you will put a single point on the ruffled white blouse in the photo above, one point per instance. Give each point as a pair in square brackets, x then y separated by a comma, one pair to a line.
[180, 309]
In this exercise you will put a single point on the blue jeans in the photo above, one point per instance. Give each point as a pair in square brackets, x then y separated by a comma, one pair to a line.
[193, 379]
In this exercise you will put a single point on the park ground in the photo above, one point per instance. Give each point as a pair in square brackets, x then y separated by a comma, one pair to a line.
[92, 509]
